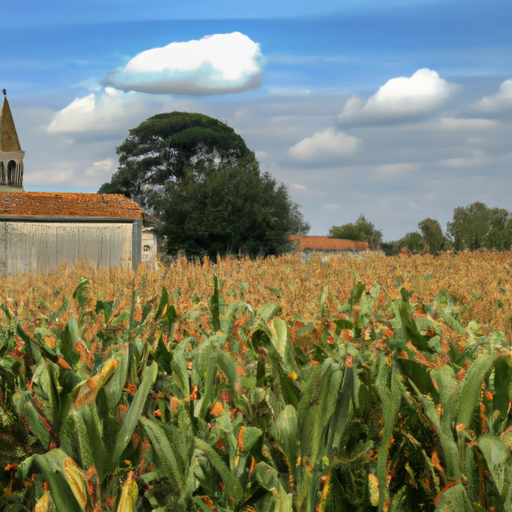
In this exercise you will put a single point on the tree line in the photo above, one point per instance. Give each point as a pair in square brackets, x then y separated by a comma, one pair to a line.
[472, 227]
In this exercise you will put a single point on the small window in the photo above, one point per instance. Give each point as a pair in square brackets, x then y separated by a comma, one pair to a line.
[147, 248]
[11, 172]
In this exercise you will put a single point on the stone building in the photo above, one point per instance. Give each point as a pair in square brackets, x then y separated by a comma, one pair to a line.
[39, 231]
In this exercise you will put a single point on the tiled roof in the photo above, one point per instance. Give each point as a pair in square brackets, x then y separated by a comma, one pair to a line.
[60, 204]
[324, 243]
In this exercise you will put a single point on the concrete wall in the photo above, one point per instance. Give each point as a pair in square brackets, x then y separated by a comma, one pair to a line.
[42, 246]
[149, 248]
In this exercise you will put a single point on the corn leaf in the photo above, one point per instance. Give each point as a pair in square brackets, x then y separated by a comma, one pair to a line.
[498, 459]
[454, 499]
[134, 413]
[52, 466]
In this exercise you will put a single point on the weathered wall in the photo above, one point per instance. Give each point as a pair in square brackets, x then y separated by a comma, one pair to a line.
[149, 248]
[41, 246]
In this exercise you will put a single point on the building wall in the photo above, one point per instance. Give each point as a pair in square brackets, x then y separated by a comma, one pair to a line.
[149, 248]
[42, 246]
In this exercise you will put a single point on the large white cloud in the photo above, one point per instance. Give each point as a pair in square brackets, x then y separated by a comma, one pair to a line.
[217, 64]
[399, 99]
[104, 112]
[498, 103]
[324, 147]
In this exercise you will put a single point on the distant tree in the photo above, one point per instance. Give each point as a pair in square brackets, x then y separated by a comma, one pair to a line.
[469, 226]
[433, 236]
[362, 230]
[231, 208]
[477, 226]
[413, 241]
[499, 235]
[159, 150]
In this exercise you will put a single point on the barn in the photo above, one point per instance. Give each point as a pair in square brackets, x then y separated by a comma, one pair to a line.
[41, 230]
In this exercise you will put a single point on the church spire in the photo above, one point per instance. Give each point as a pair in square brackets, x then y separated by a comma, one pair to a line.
[11, 154]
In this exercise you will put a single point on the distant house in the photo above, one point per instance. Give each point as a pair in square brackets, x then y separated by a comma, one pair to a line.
[326, 244]
[39, 231]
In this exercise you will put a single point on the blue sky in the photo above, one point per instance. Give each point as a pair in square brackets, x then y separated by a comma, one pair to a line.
[399, 110]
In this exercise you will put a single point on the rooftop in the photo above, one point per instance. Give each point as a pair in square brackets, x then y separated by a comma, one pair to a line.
[60, 204]
[8, 136]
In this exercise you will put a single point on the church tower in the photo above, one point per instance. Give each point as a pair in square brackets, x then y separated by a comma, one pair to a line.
[11, 155]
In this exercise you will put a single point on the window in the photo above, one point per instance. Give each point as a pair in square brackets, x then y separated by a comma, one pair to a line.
[11, 172]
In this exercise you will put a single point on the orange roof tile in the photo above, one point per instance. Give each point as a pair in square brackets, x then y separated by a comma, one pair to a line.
[60, 204]
[325, 243]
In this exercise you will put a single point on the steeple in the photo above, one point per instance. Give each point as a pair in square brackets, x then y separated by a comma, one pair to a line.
[11, 154]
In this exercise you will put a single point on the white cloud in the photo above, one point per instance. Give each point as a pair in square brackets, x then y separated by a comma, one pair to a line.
[324, 147]
[288, 91]
[395, 169]
[452, 123]
[217, 64]
[59, 174]
[477, 158]
[104, 165]
[399, 99]
[105, 112]
[300, 188]
[498, 102]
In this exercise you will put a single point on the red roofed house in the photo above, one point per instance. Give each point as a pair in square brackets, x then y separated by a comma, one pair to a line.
[326, 244]
[38, 231]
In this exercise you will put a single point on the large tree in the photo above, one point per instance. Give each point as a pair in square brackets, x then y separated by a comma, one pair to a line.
[158, 151]
[204, 187]
[230, 208]
[362, 230]
[477, 226]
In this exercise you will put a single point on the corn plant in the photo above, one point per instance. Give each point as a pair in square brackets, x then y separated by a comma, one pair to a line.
[370, 401]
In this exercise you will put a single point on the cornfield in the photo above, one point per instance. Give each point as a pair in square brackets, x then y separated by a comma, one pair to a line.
[333, 384]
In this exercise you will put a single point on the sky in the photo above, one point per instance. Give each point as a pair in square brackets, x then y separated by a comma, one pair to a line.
[397, 110]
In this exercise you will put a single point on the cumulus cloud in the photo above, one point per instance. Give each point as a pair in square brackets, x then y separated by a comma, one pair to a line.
[324, 147]
[104, 112]
[497, 103]
[217, 64]
[399, 99]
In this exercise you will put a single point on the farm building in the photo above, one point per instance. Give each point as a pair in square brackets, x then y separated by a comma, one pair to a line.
[326, 244]
[39, 231]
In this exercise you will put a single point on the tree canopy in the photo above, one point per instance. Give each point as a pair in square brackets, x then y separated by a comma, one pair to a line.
[158, 151]
[430, 238]
[204, 187]
[433, 236]
[233, 208]
[362, 230]
[477, 226]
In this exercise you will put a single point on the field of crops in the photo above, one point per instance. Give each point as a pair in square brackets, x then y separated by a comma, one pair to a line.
[345, 383]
